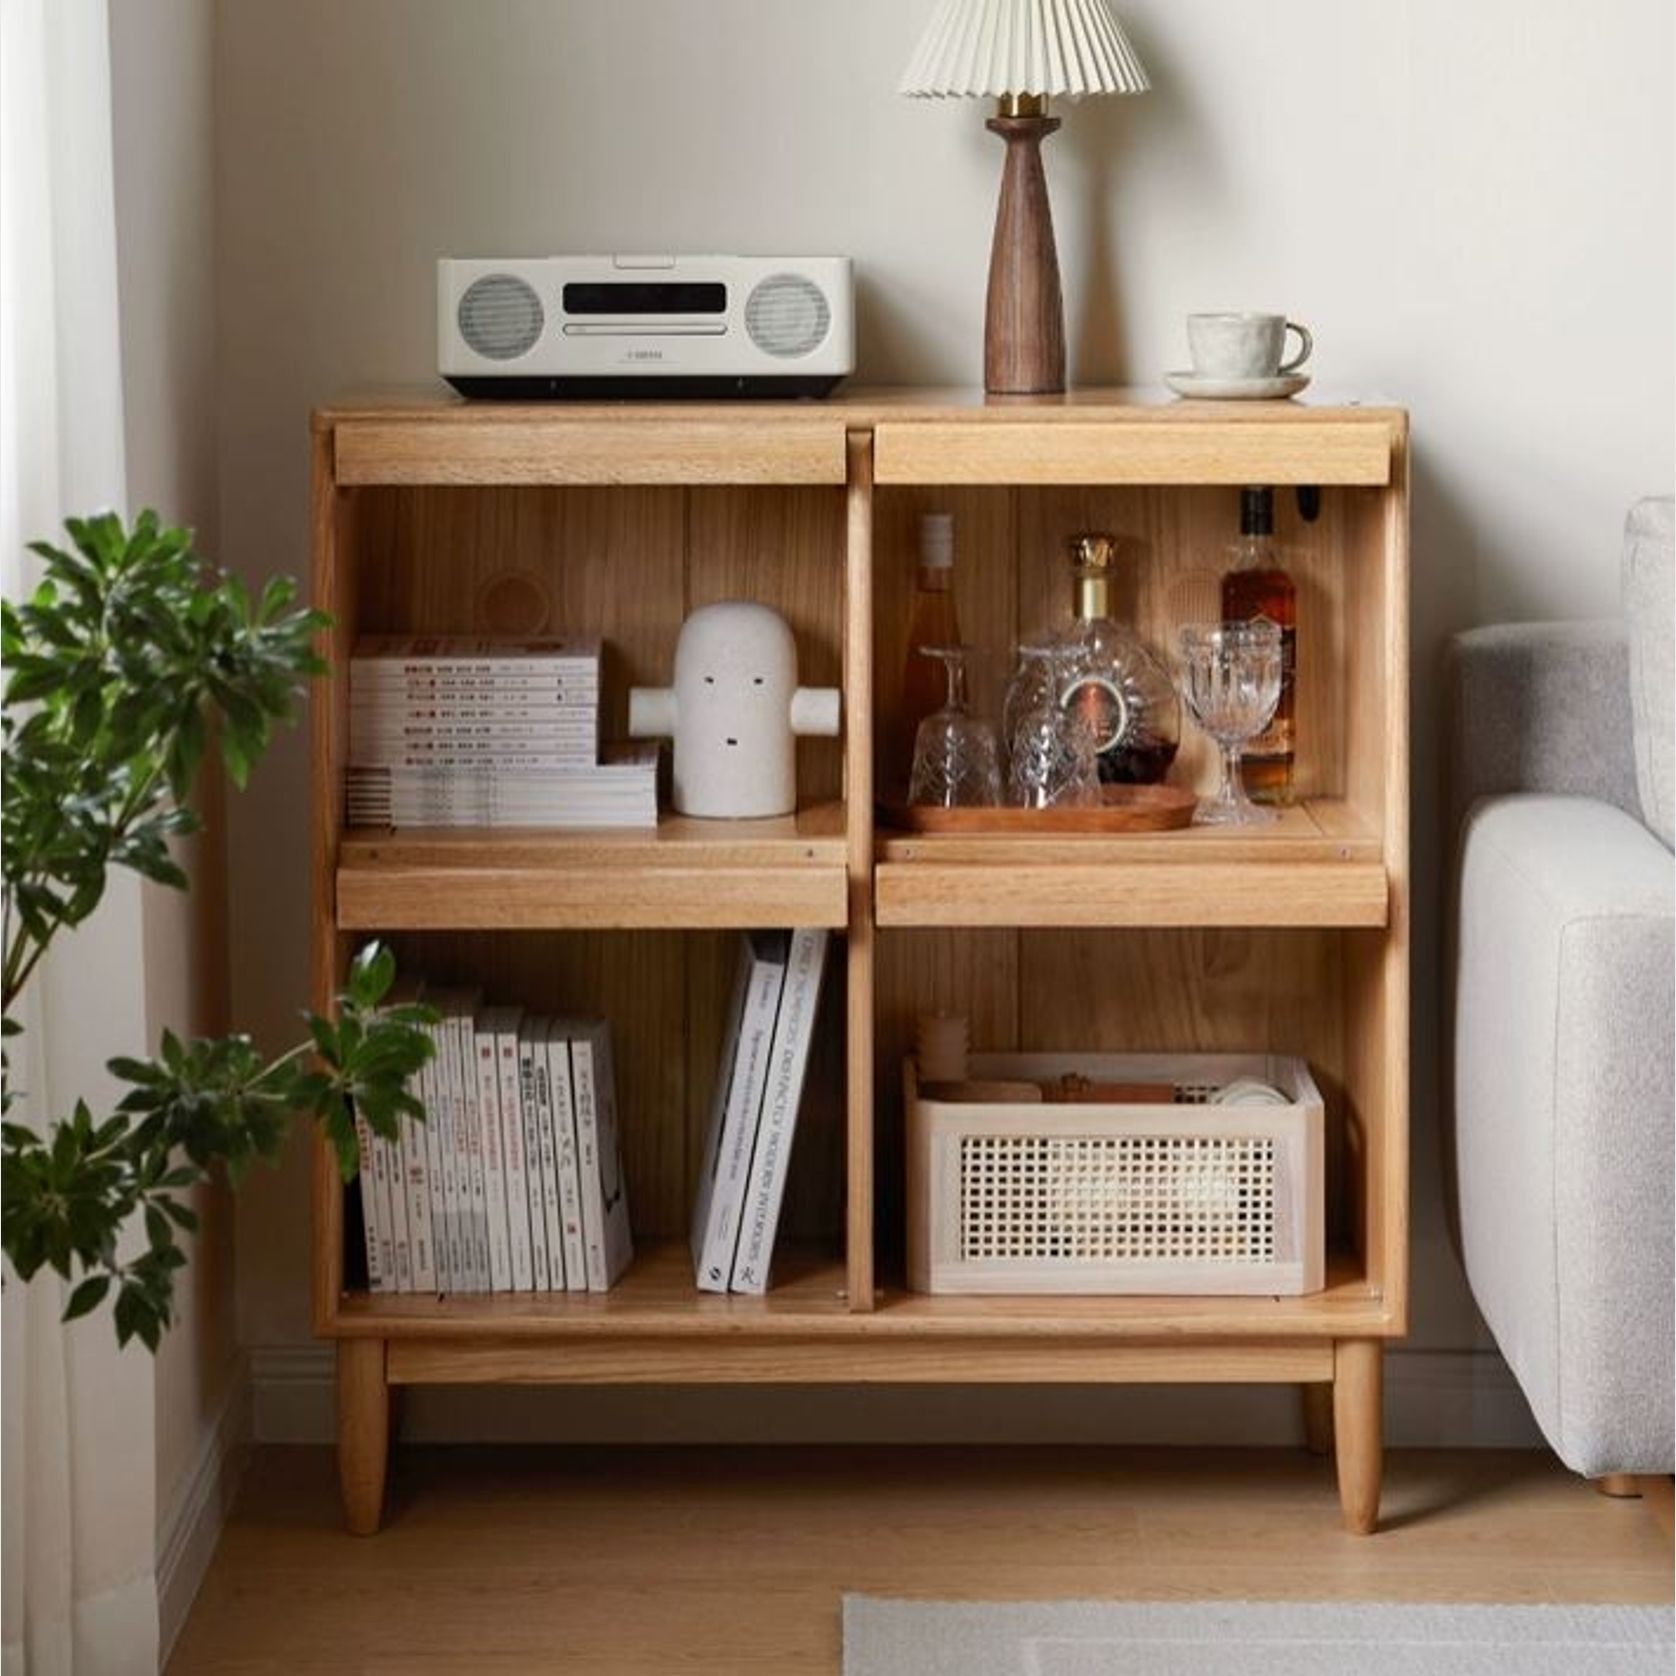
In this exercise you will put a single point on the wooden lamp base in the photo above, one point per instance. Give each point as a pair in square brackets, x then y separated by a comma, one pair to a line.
[1024, 326]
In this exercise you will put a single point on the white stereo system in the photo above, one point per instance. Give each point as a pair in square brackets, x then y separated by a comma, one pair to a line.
[645, 325]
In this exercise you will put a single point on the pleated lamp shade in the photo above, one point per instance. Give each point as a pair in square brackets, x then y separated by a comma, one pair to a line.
[990, 48]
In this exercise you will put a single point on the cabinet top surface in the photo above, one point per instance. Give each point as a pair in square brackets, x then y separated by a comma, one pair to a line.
[861, 406]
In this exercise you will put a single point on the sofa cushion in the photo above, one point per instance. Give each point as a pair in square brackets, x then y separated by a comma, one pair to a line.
[1564, 1093]
[1650, 606]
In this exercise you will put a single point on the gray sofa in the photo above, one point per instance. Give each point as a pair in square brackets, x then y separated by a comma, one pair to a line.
[1561, 951]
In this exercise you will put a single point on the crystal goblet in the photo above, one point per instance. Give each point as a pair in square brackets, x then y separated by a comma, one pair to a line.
[956, 763]
[1052, 755]
[1231, 680]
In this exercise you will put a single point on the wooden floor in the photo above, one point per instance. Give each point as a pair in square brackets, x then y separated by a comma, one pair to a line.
[687, 1562]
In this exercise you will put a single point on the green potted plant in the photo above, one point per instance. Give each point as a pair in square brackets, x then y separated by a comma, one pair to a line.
[131, 658]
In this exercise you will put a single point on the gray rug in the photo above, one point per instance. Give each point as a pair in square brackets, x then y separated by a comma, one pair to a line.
[1093, 1638]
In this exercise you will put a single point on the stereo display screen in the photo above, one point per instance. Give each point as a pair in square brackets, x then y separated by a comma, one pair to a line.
[641, 296]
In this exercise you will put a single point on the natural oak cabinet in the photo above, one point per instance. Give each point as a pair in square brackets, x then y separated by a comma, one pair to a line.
[433, 515]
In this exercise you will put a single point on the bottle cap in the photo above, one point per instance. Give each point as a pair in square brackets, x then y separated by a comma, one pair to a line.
[936, 540]
[1093, 550]
[1256, 511]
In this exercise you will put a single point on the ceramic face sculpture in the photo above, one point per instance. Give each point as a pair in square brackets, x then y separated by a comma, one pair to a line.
[734, 713]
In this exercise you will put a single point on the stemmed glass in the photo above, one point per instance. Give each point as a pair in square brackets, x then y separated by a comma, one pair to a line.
[1052, 755]
[956, 764]
[1231, 680]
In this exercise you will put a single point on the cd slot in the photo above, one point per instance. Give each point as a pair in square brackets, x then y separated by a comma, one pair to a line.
[645, 329]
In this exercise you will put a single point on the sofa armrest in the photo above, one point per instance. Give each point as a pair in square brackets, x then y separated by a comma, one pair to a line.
[1540, 707]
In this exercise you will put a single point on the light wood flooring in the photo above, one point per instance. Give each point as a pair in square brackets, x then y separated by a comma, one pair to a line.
[688, 1562]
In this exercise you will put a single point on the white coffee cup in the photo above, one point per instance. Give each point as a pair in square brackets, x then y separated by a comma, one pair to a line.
[1244, 345]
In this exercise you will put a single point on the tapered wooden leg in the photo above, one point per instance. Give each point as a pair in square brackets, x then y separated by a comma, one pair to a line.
[1358, 1422]
[1318, 1418]
[363, 1432]
[1618, 1484]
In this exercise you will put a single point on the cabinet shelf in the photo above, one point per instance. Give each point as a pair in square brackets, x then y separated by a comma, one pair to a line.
[655, 1326]
[656, 1297]
[1315, 866]
[686, 873]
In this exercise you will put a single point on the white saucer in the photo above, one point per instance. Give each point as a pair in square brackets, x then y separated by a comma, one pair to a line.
[1237, 389]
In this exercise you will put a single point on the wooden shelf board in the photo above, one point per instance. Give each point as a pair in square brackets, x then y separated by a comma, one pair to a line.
[1316, 866]
[656, 1300]
[684, 873]
[862, 405]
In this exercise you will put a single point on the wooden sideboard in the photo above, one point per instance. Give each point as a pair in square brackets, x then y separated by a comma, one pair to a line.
[434, 515]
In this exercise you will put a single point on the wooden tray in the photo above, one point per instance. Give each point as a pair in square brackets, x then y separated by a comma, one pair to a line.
[1124, 809]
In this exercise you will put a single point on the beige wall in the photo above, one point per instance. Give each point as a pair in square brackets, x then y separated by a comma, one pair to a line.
[162, 62]
[1471, 206]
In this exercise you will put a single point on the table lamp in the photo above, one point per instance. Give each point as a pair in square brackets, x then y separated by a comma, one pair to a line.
[1021, 53]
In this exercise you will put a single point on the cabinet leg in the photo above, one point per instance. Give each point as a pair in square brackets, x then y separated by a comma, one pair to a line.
[1318, 1418]
[363, 1432]
[1358, 1420]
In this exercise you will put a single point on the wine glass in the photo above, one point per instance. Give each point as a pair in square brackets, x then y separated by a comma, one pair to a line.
[1052, 755]
[1231, 680]
[956, 764]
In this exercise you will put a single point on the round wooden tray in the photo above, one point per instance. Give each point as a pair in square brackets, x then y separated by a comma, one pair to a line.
[1123, 809]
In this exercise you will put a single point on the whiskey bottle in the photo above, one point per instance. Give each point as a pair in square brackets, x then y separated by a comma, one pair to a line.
[1257, 586]
[931, 622]
[1118, 683]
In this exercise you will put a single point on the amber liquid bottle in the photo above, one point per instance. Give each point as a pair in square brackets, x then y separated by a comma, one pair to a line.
[931, 622]
[1257, 586]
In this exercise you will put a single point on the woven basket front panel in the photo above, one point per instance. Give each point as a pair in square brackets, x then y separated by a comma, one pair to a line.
[1121, 1197]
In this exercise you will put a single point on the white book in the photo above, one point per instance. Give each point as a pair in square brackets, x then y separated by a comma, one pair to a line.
[544, 1179]
[415, 1153]
[562, 1087]
[472, 1207]
[439, 1132]
[794, 1029]
[488, 1023]
[437, 1142]
[736, 1107]
[606, 1240]
[418, 709]
[529, 1045]
[375, 1213]
[401, 1251]
[512, 1150]
[453, 1183]
[467, 651]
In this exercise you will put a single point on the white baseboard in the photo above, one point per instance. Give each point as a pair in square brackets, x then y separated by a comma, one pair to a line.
[1463, 1399]
[191, 1524]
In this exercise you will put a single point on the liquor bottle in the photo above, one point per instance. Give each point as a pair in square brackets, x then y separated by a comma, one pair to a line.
[1257, 586]
[1116, 680]
[931, 622]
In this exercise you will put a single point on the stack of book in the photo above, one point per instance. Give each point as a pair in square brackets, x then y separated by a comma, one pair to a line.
[515, 1181]
[460, 731]
[753, 1113]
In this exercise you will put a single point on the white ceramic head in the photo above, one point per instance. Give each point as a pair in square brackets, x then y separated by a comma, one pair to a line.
[734, 713]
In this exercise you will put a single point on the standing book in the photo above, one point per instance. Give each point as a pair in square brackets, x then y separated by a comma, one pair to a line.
[561, 1084]
[461, 1014]
[531, 1099]
[736, 1107]
[788, 1061]
[488, 1024]
[513, 1155]
[417, 1139]
[606, 1240]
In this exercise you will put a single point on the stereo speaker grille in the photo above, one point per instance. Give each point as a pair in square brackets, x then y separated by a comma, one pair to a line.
[787, 315]
[501, 317]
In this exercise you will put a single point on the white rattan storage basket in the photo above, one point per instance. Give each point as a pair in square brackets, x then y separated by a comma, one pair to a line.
[1187, 1197]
